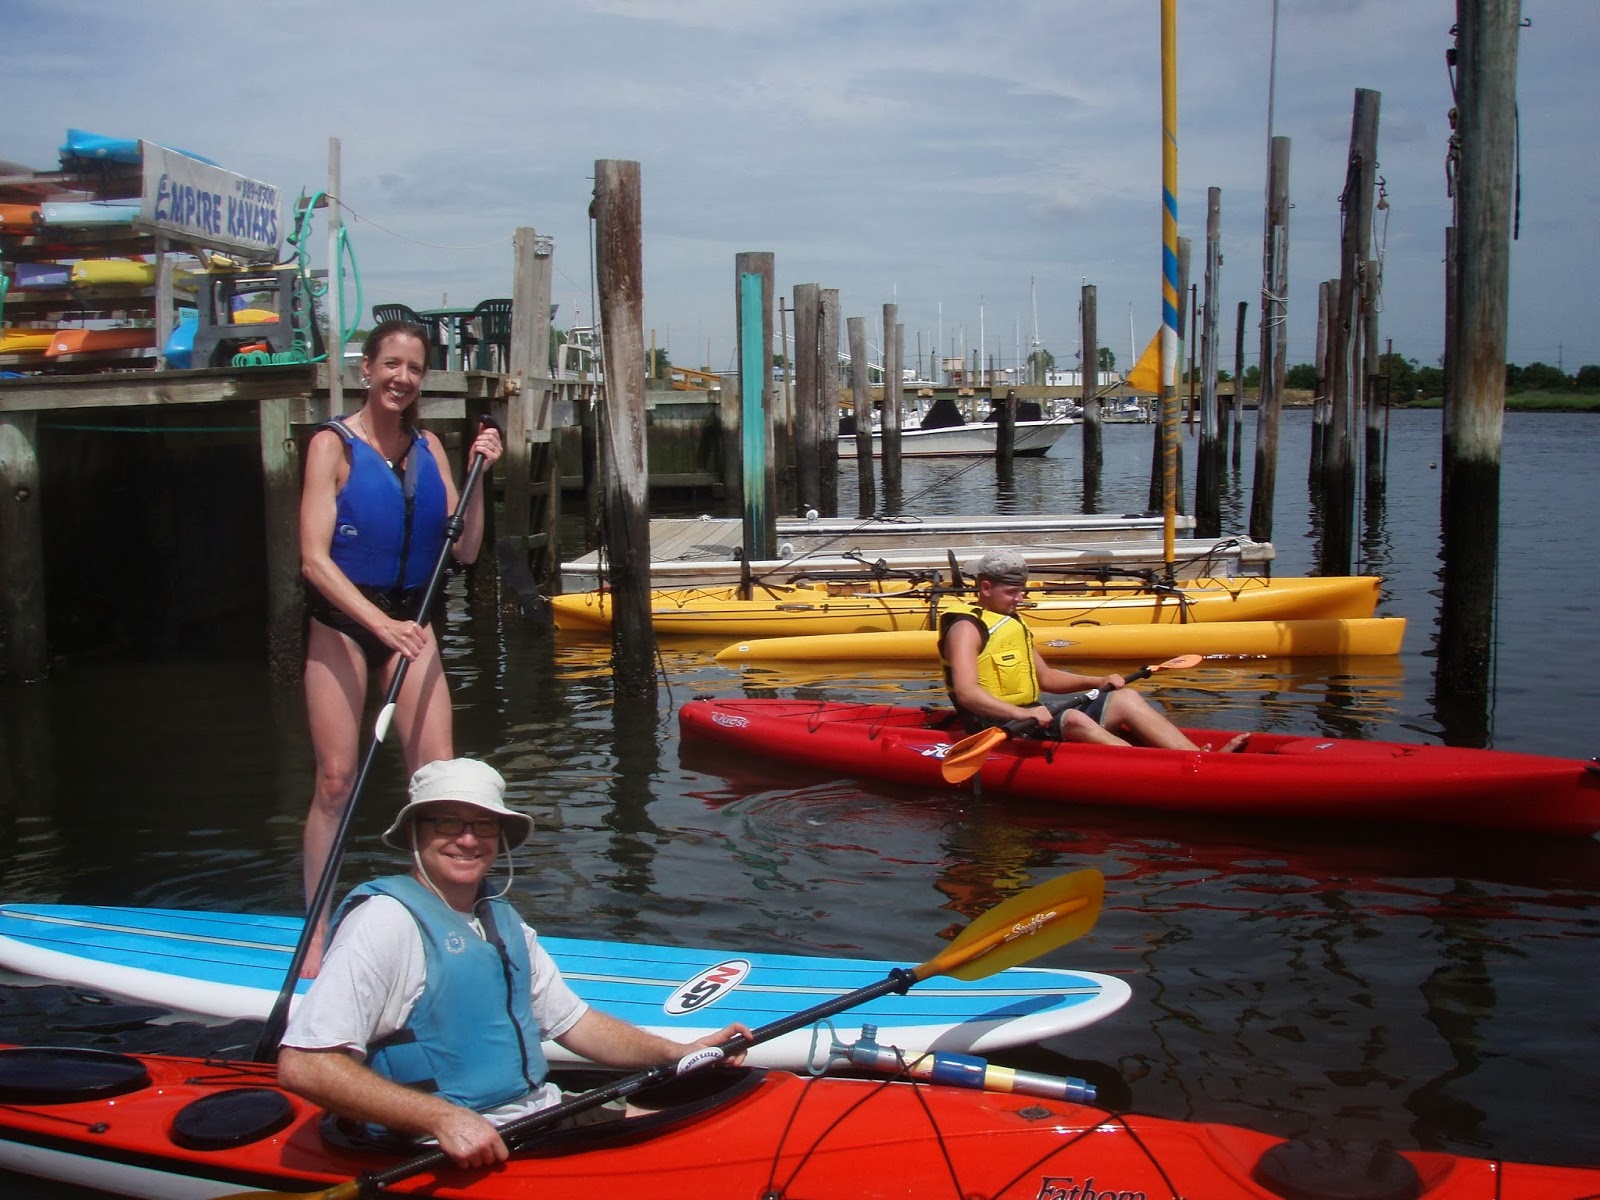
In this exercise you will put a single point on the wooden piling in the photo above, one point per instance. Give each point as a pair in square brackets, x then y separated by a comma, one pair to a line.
[1346, 331]
[1005, 435]
[1375, 398]
[807, 464]
[22, 604]
[861, 393]
[1208, 466]
[1486, 49]
[280, 484]
[1093, 431]
[894, 348]
[754, 273]
[829, 394]
[619, 274]
[1274, 355]
[783, 467]
[532, 498]
[1321, 408]
[1236, 409]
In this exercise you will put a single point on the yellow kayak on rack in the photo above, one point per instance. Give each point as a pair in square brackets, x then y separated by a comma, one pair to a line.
[87, 272]
[1317, 637]
[794, 611]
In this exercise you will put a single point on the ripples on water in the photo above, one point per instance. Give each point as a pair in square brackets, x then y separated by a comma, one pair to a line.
[1420, 986]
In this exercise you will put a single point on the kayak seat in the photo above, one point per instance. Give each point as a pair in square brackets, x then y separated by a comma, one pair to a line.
[231, 1118]
[66, 1075]
[1310, 1168]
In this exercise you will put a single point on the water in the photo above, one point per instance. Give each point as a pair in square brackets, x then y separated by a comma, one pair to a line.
[1419, 987]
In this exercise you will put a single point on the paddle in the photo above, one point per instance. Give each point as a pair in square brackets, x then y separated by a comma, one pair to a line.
[966, 758]
[1048, 915]
[267, 1046]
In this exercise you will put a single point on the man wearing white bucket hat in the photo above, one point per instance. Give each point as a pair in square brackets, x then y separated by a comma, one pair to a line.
[427, 1015]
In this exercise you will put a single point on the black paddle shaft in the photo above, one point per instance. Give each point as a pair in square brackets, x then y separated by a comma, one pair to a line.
[898, 980]
[267, 1045]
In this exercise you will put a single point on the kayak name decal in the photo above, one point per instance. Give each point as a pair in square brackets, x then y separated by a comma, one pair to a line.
[730, 720]
[707, 988]
[1067, 1187]
[937, 750]
[1031, 926]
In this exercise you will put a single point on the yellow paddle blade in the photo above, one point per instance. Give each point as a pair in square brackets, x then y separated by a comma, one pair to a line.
[1045, 916]
[350, 1189]
[965, 759]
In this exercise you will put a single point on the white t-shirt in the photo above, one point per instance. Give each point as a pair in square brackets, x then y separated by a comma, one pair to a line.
[374, 974]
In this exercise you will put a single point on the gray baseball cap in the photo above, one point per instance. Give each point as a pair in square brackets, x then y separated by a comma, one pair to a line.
[1002, 566]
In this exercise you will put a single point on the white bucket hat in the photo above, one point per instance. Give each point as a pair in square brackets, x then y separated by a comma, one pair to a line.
[465, 781]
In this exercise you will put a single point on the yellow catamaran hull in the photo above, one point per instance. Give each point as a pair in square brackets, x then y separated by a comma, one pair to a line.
[1321, 638]
[799, 611]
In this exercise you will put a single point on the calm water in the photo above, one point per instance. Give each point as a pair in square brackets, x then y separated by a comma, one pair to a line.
[1420, 988]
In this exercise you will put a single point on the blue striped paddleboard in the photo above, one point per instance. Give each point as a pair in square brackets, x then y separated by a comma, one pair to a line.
[232, 966]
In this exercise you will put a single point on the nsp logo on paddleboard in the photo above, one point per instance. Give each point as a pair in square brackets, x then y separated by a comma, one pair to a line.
[708, 987]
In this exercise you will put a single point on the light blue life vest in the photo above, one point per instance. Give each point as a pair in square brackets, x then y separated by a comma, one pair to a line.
[388, 531]
[472, 1037]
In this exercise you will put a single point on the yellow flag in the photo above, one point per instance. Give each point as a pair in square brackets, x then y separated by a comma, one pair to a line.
[1146, 373]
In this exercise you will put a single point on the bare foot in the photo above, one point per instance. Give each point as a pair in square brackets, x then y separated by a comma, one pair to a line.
[1235, 744]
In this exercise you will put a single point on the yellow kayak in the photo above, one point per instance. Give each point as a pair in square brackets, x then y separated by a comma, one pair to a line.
[1317, 637]
[793, 611]
[17, 340]
[90, 271]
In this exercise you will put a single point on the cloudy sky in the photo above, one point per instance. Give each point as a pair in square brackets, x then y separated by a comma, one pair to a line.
[973, 162]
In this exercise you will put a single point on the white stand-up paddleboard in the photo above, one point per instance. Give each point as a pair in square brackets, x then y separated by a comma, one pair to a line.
[232, 966]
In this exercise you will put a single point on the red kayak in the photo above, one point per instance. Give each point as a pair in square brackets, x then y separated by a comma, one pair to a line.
[1276, 775]
[158, 1127]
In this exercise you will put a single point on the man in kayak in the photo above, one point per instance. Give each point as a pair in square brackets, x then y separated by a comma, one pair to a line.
[995, 676]
[426, 1018]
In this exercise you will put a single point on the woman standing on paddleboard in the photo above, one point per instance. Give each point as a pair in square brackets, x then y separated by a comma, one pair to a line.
[377, 495]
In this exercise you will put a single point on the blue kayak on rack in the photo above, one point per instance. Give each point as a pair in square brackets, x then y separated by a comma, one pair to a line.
[232, 966]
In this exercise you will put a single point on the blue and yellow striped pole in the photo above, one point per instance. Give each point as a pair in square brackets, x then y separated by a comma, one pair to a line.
[1169, 277]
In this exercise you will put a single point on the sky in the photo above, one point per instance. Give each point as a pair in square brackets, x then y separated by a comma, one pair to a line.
[974, 163]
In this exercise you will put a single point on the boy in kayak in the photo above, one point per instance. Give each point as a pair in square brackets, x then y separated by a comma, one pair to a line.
[995, 676]
[427, 1015]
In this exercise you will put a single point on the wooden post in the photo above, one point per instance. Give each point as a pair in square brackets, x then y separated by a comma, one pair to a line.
[783, 419]
[1237, 407]
[1093, 430]
[894, 336]
[22, 605]
[861, 394]
[828, 398]
[624, 466]
[1375, 395]
[1487, 103]
[532, 505]
[280, 482]
[1274, 356]
[753, 276]
[807, 466]
[1321, 409]
[1005, 434]
[1208, 467]
[1346, 329]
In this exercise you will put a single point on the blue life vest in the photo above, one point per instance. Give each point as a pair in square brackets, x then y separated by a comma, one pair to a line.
[472, 1037]
[388, 532]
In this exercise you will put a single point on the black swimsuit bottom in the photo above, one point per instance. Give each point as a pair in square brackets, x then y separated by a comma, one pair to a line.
[400, 603]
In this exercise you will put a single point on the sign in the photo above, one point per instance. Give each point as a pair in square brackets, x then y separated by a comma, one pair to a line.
[204, 205]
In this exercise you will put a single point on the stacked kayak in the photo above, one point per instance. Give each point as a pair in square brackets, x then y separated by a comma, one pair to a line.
[790, 611]
[158, 1127]
[1276, 775]
[232, 965]
[1325, 637]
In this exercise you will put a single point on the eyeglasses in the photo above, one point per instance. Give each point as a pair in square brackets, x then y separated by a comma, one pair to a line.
[487, 827]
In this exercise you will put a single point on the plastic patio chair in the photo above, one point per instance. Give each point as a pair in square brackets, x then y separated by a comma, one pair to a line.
[430, 326]
[487, 344]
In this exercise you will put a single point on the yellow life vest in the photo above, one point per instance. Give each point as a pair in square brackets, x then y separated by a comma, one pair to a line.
[1005, 660]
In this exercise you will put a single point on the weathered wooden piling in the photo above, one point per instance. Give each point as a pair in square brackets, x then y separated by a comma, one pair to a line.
[807, 462]
[1486, 50]
[1346, 332]
[532, 507]
[829, 394]
[1093, 430]
[22, 603]
[861, 394]
[1274, 356]
[1321, 406]
[1005, 435]
[280, 483]
[753, 289]
[619, 275]
[894, 349]
[1209, 464]
[1375, 393]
